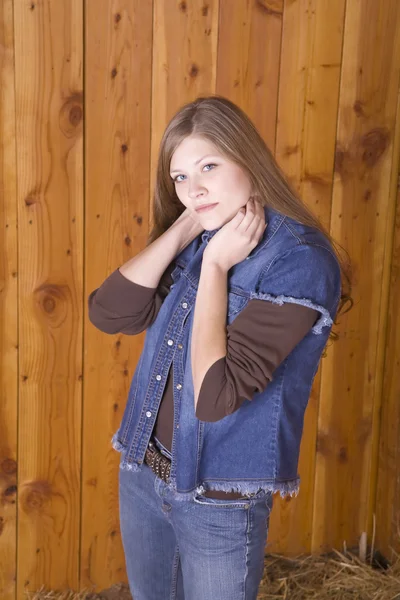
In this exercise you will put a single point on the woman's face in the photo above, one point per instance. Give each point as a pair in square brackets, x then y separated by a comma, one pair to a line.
[202, 175]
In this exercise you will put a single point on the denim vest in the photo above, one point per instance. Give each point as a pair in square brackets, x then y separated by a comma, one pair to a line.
[258, 445]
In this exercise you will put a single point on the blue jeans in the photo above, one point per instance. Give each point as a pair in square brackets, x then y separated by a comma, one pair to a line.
[200, 549]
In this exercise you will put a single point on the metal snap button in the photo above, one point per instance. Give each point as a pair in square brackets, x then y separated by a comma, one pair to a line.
[158, 377]
[148, 414]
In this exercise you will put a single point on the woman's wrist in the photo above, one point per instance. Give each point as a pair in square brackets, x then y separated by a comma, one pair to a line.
[185, 230]
[214, 263]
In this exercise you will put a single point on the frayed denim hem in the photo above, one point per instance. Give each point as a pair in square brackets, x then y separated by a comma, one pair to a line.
[284, 488]
[116, 444]
[325, 319]
[288, 487]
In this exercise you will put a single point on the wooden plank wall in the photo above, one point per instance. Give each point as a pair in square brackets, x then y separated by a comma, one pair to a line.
[86, 91]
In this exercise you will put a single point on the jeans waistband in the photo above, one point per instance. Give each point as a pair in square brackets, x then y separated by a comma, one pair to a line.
[162, 448]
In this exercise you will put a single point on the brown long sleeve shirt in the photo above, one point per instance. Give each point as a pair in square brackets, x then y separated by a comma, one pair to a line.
[258, 340]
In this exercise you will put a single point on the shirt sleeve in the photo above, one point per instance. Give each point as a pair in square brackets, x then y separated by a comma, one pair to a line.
[122, 306]
[258, 340]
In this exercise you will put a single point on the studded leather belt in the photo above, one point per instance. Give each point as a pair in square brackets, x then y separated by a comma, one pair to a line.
[159, 464]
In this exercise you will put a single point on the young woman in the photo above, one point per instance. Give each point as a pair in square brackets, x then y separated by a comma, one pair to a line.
[238, 288]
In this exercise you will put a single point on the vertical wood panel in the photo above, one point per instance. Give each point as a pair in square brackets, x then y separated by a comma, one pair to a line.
[8, 309]
[184, 60]
[350, 400]
[117, 158]
[306, 132]
[249, 48]
[48, 62]
[388, 454]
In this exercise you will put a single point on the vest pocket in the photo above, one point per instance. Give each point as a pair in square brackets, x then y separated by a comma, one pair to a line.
[235, 303]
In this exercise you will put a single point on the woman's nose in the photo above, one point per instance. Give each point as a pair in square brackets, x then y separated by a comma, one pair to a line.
[196, 189]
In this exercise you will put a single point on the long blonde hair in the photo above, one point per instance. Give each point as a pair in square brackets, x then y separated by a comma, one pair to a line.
[225, 125]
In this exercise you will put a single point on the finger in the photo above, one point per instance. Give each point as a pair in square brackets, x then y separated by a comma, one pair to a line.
[237, 219]
[258, 217]
[260, 211]
[249, 216]
[252, 229]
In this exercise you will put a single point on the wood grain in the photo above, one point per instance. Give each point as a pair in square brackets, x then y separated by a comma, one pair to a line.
[49, 119]
[387, 509]
[305, 148]
[249, 48]
[350, 396]
[8, 310]
[184, 60]
[117, 158]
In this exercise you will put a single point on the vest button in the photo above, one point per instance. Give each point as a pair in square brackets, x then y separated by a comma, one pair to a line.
[180, 346]
[170, 342]
[184, 305]
[148, 414]
[158, 377]
[179, 387]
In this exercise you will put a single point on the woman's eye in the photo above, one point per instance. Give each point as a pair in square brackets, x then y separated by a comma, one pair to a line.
[177, 180]
[210, 165]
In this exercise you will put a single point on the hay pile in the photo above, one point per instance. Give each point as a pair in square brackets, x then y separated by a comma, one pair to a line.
[337, 576]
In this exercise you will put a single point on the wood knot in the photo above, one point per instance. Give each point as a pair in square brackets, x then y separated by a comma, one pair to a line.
[194, 70]
[8, 495]
[289, 150]
[71, 115]
[367, 195]
[124, 148]
[35, 496]
[183, 6]
[117, 18]
[8, 466]
[272, 8]
[374, 144]
[114, 73]
[53, 302]
[75, 115]
[30, 200]
[358, 108]
[10, 491]
[127, 240]
[341, 162]
[204, 10]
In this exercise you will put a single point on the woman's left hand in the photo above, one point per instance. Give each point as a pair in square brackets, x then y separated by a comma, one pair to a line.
[238, 237]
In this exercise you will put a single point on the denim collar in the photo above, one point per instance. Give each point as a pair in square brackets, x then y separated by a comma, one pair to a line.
[208, 234]
[272, 218]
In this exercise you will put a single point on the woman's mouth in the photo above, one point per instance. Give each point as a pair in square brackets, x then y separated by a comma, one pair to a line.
[206, 207]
